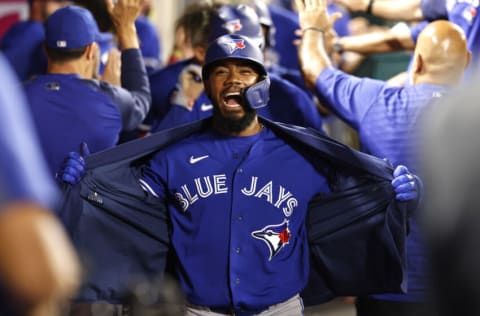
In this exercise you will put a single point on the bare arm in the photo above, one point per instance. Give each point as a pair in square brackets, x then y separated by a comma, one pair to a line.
[135, 98]
[313, 56]
[378, 42]
[406, 10]
[123, 14]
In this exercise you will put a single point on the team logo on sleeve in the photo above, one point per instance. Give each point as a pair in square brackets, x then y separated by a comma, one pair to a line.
[234, 44]
[233, 26]
[274, 236]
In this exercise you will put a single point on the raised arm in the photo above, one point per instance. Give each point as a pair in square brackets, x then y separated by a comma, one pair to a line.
[392, 40]
[406, 10]
[134, 99]
[314, 23]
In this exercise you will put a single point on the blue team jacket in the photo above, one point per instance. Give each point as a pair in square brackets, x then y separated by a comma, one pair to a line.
[356, 234]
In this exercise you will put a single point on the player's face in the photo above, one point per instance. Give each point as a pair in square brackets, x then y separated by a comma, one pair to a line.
[225, 86]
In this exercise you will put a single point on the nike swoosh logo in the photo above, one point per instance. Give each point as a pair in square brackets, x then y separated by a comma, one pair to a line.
[194, 160]
[206, 107]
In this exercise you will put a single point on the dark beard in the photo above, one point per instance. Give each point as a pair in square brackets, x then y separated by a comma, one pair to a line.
[233, 125]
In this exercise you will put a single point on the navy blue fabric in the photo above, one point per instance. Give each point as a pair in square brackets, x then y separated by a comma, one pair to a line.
[357, 235]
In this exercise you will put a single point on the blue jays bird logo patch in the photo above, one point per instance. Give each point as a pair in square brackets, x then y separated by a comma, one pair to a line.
[274, 236]
[234, 44]
[233, 26]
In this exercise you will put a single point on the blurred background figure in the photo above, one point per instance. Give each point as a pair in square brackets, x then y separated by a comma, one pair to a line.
[39, 269]
[150, 42]
[451, 176]
[22, 43]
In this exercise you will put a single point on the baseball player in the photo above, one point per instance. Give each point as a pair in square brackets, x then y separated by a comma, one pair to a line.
[38, 268]
[386, 119]
[289, 104]
[237, 195]
[67, 98]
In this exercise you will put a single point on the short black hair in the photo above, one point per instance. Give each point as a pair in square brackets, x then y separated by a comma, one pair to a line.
[62, 55]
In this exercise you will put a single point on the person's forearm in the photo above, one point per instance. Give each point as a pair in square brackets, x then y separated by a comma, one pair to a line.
[38, 265]
[406, 10]
[377, 42]
[127, 36]
[313, 56]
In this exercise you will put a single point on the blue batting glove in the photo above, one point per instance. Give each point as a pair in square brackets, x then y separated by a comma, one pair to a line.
[404, 184]
[73, 166]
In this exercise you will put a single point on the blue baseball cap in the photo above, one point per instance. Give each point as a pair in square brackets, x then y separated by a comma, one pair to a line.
[71, 27]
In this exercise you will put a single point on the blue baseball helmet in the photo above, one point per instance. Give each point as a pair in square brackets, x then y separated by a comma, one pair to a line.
[234, 46]
[265, 19]
[238, 19]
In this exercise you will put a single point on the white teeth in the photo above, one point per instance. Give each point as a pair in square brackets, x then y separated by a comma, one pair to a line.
[231, 94]
[231, 105]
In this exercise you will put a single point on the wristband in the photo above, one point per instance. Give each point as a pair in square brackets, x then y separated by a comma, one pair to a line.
[313, 28]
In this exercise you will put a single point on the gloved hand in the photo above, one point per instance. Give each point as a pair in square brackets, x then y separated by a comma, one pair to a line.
[73, 166]
[405, 184]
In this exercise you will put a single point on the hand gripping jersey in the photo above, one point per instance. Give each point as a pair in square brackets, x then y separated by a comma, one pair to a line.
[355, 234]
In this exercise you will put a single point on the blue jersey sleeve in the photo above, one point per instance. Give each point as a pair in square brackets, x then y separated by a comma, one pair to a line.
[463, 13]
[133, 98]
[153, 176]
[433, 9]
[23, 172]
[350, 97]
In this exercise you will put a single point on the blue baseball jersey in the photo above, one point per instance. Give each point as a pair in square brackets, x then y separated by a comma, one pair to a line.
[465, 14]
[288, 104]
[150, 43]
[385, 118]
[68, 110]
[23, 172]
[238, 208]
[22, 46]
[163, 84]
[434, 9]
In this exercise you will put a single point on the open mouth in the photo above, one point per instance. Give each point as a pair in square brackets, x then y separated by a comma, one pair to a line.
[232, 100]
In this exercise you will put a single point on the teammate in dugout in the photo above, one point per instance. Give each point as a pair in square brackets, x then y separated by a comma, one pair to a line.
[389, 121]
[237, 195]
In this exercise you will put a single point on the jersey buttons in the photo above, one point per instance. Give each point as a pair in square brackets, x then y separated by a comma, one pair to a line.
[235, 155]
